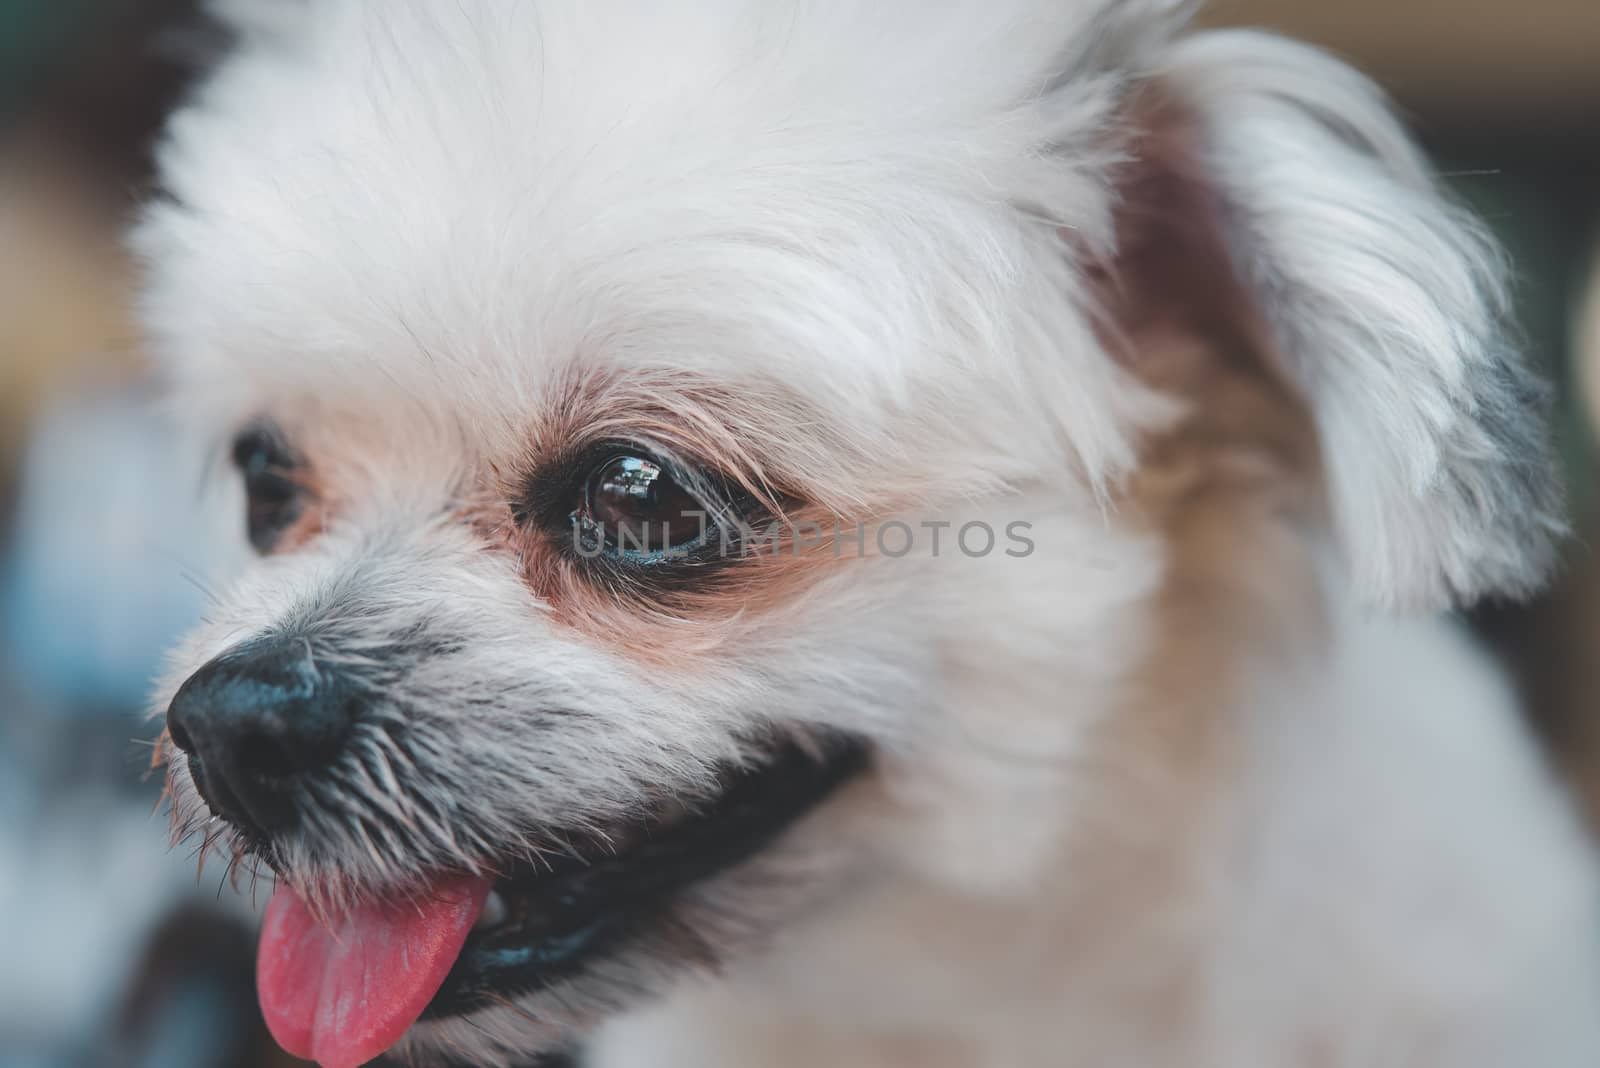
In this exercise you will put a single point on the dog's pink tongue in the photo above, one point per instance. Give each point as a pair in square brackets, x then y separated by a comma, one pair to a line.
[342, 994]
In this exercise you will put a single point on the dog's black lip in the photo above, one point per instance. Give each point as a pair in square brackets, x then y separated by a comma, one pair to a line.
[561, 920]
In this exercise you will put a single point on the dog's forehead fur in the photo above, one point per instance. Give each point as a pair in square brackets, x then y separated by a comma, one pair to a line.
[456, 205]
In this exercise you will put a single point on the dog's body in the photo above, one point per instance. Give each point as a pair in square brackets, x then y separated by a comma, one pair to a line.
[1158, 786]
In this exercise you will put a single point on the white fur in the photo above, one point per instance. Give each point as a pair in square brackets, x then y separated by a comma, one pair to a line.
[396, 226]
[1397, 888]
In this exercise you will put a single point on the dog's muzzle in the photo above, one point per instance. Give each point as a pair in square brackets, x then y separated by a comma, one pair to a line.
[264, 729]
[255, 722]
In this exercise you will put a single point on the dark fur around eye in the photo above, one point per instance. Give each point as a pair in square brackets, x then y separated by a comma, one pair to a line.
[631, 515]
[274, 489]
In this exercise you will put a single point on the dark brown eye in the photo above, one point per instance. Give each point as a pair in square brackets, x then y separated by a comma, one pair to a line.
[274, 497]
[633, 506]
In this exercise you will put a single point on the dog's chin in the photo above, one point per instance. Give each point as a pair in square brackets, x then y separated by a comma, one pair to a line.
[564, 940]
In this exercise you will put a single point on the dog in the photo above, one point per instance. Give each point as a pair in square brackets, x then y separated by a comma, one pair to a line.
[857, 534]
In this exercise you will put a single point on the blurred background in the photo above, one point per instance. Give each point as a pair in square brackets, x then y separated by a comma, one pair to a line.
[111, 951]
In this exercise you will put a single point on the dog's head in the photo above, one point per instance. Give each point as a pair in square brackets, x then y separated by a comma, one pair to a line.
[655, 427]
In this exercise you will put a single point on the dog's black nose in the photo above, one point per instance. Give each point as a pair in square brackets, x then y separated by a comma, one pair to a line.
[253, 722]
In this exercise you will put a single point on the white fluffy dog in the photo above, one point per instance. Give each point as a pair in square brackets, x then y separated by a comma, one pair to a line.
[858, 533]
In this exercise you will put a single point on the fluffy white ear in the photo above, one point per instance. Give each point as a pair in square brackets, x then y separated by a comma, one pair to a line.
[1385, 306]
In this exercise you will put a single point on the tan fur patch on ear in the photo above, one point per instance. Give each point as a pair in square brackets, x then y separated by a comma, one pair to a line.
[1171, 306]
[1234, 493]
[1170, 296]
[1234, 486]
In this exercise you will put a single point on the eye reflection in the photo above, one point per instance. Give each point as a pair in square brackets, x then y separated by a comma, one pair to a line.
[629, 482]
[633, 505]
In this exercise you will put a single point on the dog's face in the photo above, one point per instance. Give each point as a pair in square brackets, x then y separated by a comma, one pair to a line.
[683, 450]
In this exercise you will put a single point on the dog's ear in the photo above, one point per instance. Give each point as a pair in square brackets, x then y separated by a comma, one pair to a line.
[1377, 300]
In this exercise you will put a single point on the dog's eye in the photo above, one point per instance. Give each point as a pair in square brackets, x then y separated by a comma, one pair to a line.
[632, 504]
[274, 497]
